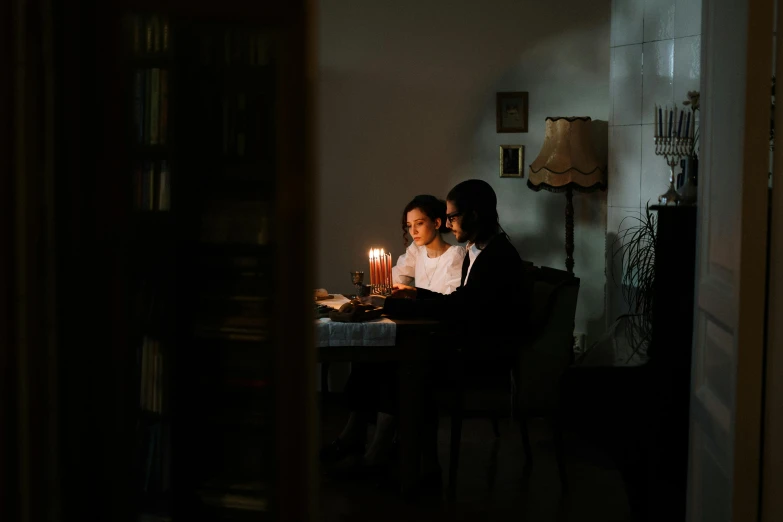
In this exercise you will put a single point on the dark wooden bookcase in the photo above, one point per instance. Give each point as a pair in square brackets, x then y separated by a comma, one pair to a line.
[186, 199]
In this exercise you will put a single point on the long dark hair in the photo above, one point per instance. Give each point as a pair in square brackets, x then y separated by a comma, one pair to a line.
[431, 206]
[476, 201]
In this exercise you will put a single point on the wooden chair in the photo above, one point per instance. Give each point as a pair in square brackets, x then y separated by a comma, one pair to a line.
[542, 363]
[541, 359]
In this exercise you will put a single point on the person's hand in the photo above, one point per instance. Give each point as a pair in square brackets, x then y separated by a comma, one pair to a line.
[403, 291]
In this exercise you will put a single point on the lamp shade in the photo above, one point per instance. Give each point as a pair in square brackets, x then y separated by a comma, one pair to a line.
[567, 158]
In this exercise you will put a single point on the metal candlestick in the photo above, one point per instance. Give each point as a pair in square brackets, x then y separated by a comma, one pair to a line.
[672, 149]
[357, 278]
[382, 289]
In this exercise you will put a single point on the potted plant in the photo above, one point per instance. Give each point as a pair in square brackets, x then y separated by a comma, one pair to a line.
[635, 245]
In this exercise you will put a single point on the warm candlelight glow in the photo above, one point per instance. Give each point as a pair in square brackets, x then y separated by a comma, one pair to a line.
[373, 276]
[389, 265]
[381, 279]
[382, 261]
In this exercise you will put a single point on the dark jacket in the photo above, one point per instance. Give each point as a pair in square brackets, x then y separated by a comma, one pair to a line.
[495, 300]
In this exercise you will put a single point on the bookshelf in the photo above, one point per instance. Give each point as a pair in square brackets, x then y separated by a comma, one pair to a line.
[184, 364]
[211, 323]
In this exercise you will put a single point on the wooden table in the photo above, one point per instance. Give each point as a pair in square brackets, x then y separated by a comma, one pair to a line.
[415, 345]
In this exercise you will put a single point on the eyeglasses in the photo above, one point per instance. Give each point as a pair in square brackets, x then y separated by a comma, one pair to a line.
[451, 217]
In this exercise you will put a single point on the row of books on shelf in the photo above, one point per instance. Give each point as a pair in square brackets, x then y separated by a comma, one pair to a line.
[150, 34]
[152, 186]
[151, 364]
[239, 47]
[151, 106]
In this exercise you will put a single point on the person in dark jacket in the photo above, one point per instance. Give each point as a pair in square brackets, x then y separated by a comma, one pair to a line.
[491, 303]
[493, 298]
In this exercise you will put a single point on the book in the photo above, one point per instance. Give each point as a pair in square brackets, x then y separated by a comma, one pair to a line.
[148, 42]
[240, 124]
[165, 36]
[143, 381]
[164, 106]
[157, 406]
[156, 34]
[136, 28]
[154, 102]
[164, 187]
[147, 106]
[139, 86]
[153, 391]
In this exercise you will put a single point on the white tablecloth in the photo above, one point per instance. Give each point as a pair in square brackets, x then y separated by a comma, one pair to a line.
[380, 332]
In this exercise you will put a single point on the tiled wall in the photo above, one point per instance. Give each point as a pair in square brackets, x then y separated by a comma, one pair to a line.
[655, 59]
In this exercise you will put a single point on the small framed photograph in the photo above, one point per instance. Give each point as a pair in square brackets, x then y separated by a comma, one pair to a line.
[512, 112]
[512, 159]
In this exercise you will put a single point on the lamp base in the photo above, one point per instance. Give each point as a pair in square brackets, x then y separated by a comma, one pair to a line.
[569, 246]
[671, 198]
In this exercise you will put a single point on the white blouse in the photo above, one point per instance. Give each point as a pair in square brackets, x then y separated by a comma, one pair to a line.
[441, 274]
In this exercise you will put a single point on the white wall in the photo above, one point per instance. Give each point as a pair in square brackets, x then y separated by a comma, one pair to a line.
[655, 48]
[407, 106]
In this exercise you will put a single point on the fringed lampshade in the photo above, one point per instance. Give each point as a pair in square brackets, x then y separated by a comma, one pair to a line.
[567, 162]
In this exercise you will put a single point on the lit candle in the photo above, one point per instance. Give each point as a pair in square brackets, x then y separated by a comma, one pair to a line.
[389, 262]
[372, 278]
[377, 267]
[382, 261]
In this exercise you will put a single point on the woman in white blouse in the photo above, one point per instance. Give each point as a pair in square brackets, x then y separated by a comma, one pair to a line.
[430, 262]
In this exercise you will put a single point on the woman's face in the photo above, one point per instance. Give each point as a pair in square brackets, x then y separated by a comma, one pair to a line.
[421, 228]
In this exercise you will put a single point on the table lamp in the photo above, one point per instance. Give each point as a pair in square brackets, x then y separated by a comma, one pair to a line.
[567, 163]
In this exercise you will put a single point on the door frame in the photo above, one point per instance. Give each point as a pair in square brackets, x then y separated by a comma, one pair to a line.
[730, 299]
[772, 458]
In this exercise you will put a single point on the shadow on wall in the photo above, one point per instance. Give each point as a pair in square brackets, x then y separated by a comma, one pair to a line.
[616, 304]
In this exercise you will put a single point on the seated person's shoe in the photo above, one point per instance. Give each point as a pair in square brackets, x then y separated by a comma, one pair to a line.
[338, 450]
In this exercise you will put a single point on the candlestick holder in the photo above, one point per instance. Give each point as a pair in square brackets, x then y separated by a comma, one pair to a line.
[380, 272]
[672, 149]
[357, 278]
[382, 289]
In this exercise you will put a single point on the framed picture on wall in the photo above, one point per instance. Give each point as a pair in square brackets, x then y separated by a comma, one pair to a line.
[512, 159]
[512, 112]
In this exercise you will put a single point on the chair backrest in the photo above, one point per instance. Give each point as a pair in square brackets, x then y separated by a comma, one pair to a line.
[550, 349]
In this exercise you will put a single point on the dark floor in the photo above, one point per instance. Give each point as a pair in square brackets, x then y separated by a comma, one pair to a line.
[492, 482]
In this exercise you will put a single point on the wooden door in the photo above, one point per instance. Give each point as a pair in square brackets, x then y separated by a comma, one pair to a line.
[728, 349]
